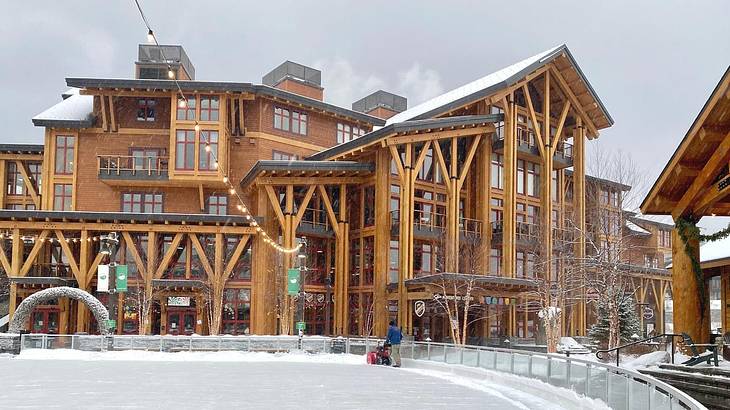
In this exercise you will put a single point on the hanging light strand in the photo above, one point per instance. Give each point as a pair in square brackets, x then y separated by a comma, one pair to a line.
[184, 103]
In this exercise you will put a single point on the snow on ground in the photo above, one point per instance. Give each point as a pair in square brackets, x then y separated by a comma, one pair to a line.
[651, 359]
[217, 380]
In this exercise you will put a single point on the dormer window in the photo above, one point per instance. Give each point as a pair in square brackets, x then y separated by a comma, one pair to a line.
[146, 109]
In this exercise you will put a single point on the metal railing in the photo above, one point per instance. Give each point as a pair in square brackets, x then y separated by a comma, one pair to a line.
[130, 165]
[526, 138]
[316, 219]
[668, 339]
[620, 388]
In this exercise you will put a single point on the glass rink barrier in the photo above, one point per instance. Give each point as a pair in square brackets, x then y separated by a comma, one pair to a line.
[620, 388]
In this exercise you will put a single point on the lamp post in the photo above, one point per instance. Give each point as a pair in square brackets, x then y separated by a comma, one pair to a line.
[109, 246]
[302, 256]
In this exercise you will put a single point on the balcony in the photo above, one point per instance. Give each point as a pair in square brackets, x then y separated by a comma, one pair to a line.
[315, 222]
[432, 225]
[132, 170]
[527, 146]
[529, 235]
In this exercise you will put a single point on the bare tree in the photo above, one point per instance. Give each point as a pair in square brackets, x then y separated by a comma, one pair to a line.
[615, 188]
[143, 298]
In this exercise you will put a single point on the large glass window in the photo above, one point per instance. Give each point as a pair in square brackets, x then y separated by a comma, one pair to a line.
[393, 262]
[291, 121]
[209, 107]
[138, 202]
[495, 261]
[521, 177]
[369, 205]
[346, 132]
[186, 110]
[368, 260]
[284, 156]
[146, 109]
[533, 179]
[14, 181]
[207, 157]
[62, 197]
[145, 158]
[497, 171]
[236, 311]
[217, 204]
[185, 150]
[65, 145]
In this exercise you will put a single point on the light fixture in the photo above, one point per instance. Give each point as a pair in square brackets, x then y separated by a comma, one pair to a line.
[215, 164]
[181, 103]
[197, 127]
[171, 74]
[225, 179]
[233, 191]
[150, 37]
[207, 148]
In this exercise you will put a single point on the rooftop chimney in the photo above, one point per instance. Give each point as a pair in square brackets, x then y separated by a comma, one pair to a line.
[296, 78]
[153, 61]
[381, 104]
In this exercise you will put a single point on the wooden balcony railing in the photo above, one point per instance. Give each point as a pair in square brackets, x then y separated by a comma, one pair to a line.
[127, 166]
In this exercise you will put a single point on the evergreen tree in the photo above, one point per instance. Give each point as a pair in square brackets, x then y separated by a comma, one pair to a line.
[629, 323]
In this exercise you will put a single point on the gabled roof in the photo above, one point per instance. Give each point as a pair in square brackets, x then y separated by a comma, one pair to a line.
[636, 229]
[496, 81]
[22, 148]
[220, 86]
[694, 150]
[407, 126]
[74, 111]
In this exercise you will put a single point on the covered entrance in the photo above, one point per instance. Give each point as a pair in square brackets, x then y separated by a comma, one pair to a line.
[181, 306]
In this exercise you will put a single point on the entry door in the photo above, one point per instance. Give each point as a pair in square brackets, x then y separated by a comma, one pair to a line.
[44, 321]
[181, 321]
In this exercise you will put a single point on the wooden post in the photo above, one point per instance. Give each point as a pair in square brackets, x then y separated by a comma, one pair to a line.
[12, 303]
[510, 191]
[688, 316]
[579, 214]
[382, 240]
[81, 311]
[264, 287]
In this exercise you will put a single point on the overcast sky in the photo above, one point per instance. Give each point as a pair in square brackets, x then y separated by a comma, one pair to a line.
[653, 63]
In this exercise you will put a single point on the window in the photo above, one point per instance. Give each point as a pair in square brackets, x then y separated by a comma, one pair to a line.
[299, 123]
[533, 179]
[62, 194]
[284, 156]
[605, 196]
[209, 107]
[393, 262]
[422, 258]
[368, 260]
[497, 171]
[290, 121]
[521, 176]
[217, 204]
[64, 154]
[369, 210]
[521, 264]
[495, 210]
[146, 109]
[206, 158]
[14, 182]
[236, 311]
[138, 202]
[495, 261]
[186, 110]
[185, 150]
[665, 238]
[145, 158]
[347, 133]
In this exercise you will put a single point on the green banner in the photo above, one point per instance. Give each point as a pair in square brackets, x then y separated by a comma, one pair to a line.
[301, 326]
[121, 277]
[293, 284]
[111, 324]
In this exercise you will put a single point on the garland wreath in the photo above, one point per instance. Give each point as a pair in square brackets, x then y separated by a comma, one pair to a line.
[688, 231]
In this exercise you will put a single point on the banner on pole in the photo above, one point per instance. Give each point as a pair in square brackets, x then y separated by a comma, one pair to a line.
[120, 272]
[102, 279]
[293, 281]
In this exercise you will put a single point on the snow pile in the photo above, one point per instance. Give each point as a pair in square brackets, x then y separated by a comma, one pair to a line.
[647, 360]
[224, 356]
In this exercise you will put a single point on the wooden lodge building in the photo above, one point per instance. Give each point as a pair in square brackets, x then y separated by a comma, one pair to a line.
[389, 199]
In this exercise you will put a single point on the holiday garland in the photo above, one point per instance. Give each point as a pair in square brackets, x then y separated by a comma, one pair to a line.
[688, 231]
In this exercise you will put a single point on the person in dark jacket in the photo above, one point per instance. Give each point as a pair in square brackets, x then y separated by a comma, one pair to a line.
[394, 338]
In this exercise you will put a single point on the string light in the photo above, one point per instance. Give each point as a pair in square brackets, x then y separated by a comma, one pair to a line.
[183, 103]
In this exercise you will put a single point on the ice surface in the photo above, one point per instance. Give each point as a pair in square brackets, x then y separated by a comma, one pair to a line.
[217, 380]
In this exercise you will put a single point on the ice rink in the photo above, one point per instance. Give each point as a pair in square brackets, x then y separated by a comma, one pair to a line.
[136, 380]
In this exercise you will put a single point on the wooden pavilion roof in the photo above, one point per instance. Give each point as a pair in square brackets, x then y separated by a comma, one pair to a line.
[695, 181]
[305, 172]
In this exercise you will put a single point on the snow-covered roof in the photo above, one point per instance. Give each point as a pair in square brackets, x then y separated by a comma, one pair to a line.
[636, 228]
[712, 251]
[487, 85]
[74, 111]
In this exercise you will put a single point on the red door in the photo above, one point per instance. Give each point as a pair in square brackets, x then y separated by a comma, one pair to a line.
[44, 321]
[181, 321]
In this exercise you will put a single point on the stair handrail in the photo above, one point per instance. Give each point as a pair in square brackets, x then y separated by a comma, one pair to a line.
[599, 353]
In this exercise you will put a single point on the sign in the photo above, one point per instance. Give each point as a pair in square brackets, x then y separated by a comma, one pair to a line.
[648, 313]
[457, 298]
[178, 301]
[102, 279]
[111, 323]
[301, 326]
[419, 308]
[293, 281]
[120, 271]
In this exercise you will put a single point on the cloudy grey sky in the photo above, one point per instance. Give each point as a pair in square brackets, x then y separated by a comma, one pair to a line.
[653, 63]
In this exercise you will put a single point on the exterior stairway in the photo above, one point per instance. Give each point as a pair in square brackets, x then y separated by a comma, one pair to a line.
[708, 385]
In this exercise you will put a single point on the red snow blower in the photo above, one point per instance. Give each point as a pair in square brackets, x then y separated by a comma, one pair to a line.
[381, 355]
